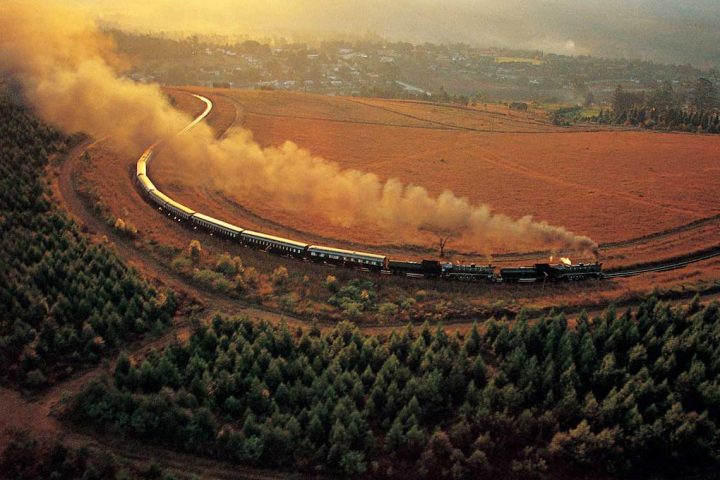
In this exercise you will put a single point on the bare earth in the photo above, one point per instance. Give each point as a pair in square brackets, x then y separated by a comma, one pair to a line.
[112, 173]
[613, 185]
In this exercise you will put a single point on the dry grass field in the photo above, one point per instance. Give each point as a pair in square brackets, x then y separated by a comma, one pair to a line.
[612, 185]
[111, 173]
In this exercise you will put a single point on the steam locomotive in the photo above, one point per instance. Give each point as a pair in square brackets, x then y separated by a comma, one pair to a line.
[367, 261]
[538, 273]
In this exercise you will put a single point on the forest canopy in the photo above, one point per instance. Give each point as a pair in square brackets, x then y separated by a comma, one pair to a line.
[618, 395]
[64, 302]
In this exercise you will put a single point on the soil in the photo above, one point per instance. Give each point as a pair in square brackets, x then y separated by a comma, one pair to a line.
[529, 168]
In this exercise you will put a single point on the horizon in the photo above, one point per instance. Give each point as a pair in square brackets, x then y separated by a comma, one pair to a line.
[639, 29]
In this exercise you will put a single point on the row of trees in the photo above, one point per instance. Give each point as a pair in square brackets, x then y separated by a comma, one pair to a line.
[63, 301]
[621, 395]
[25, 458]
[666, 109]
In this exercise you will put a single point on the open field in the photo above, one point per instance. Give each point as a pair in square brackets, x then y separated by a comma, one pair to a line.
[113, 171]
[650, 182]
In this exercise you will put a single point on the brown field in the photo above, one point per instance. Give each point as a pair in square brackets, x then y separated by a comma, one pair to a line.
[111, 173]
[612, 185]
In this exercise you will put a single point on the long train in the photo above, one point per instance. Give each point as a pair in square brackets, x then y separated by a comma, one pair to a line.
[349, 258]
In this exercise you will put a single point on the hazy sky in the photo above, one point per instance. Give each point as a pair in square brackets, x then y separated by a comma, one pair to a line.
[678, 31]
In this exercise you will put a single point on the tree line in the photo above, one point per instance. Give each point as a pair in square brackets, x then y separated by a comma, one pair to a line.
[663, 108]
[617, 396]
[64, 302]
[26, 458]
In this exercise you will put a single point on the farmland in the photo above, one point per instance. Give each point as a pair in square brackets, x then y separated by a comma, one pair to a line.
[524, 166]
[447, 302]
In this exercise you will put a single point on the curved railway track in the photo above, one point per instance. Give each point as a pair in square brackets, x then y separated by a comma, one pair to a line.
[664, 266]
[670, 264]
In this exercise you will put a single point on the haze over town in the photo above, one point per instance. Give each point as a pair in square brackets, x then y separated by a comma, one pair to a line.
[646, 29]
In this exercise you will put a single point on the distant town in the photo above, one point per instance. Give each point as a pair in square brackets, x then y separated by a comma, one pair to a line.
[456, 72]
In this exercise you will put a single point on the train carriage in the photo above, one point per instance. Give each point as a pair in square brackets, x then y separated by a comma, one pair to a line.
[216, 226]
[141, 167]
[283, 246]
[338, 256]
[180, 211]
[146, 184]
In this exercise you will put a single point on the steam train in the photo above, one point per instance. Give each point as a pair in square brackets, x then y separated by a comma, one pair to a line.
[367, 261]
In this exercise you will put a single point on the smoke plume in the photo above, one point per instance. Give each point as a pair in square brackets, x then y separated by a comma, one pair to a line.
[68, 73]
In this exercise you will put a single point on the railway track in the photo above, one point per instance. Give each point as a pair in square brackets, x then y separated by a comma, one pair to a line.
[663, 267]
[670, 264]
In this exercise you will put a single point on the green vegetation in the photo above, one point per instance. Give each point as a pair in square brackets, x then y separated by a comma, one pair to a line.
[64, 303]
[27, 459]
[665, 109]
[635, 394]
[354, 298]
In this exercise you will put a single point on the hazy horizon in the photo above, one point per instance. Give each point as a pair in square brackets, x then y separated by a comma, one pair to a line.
[656, 30]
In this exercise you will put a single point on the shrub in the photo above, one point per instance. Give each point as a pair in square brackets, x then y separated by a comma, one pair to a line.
[408, 303]
[181, 263]
[331, 283]
[240, 285]
[229, 265]
[280, 275]
[360, 292]
[387, 310]
[352, 310]
[195, 251]
[251, 276]
[212, 279]
[126, 228]
[36, 379]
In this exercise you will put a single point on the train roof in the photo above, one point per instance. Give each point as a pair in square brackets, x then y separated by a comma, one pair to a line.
[144, 158]
[172, 202]
[217, 222]
[370, 256]
[141, 168]
[146, 154]
[147, 183]
[272, 238]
